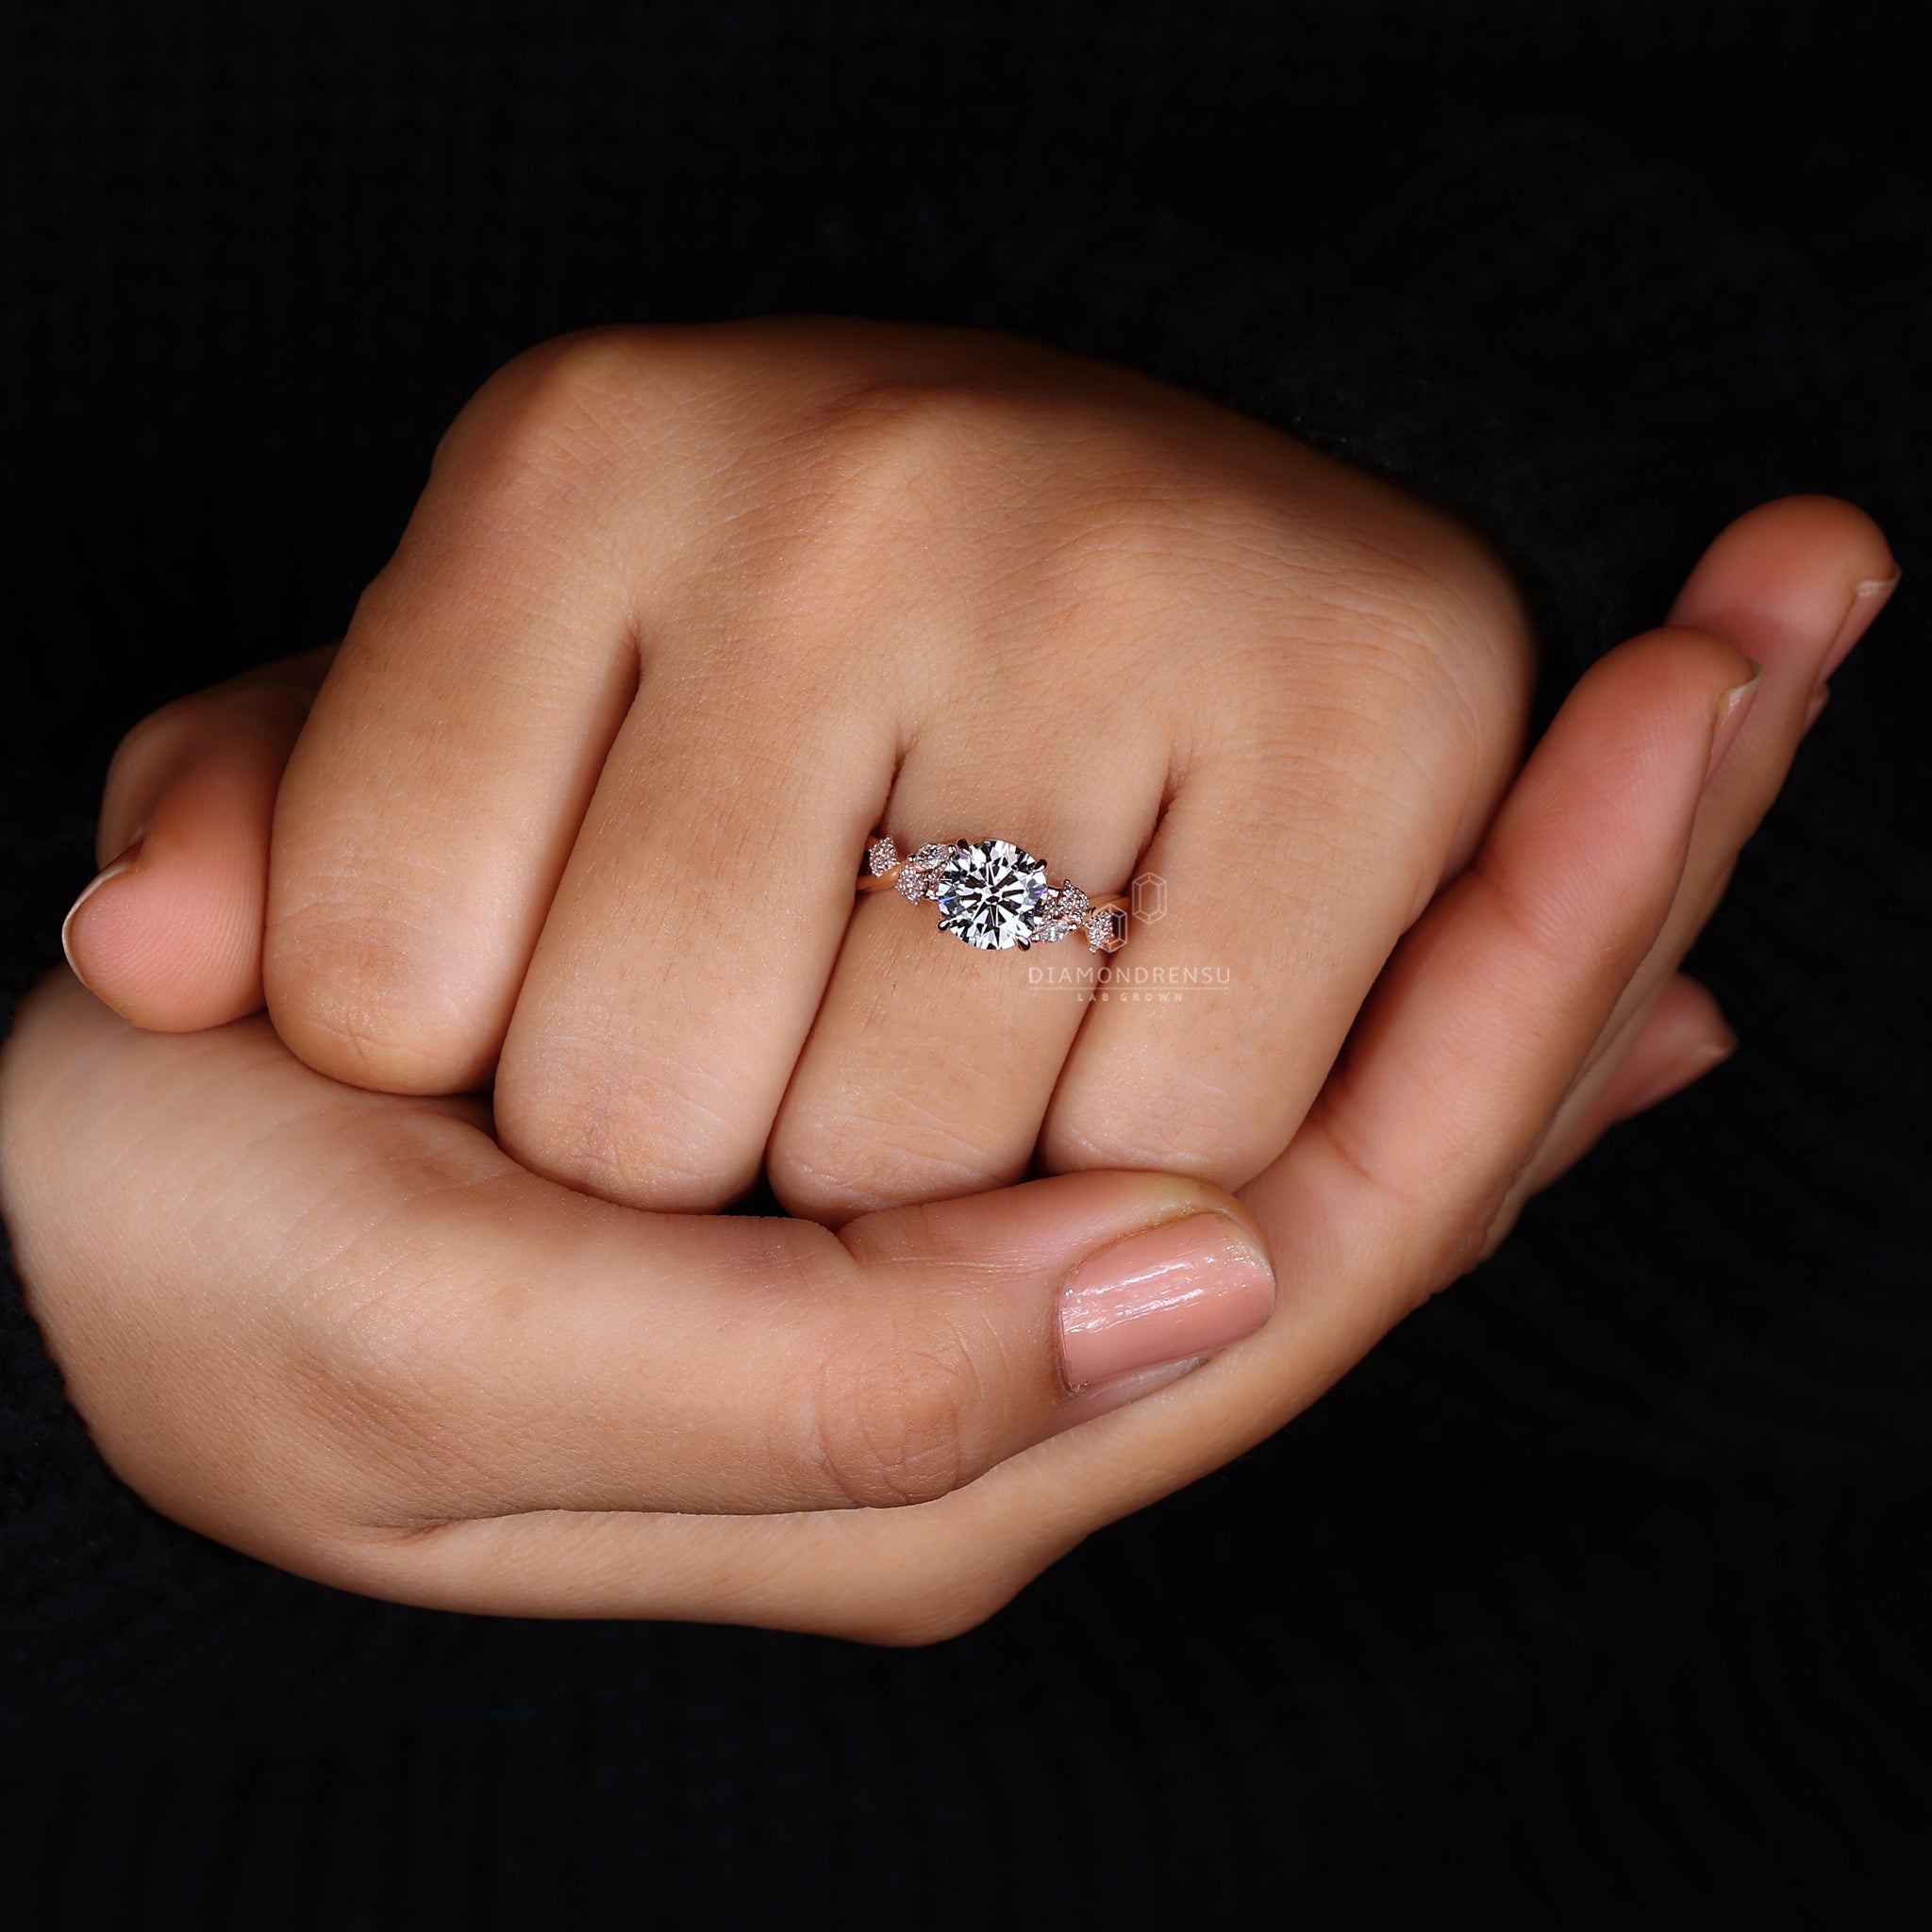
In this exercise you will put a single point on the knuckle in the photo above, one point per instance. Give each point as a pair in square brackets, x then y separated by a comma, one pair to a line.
[893, 453]
[898, 1419]
[830, 1164]
[1562, 941]
[1386, 643]
[1468, 1238]
[882, 433]
[620, 1120]
[536, 439]
[1442, 624]
[1434, 1206]
[1191, 1123]
[885, 458]
[573, 380]
[1397, 612]
[352, 988]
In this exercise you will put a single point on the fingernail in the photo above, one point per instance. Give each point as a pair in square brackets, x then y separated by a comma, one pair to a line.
[1820, 699]
[1691, 1067]
[1731, 708]
[110, 871]
[1182, 1289]
[1871, 598]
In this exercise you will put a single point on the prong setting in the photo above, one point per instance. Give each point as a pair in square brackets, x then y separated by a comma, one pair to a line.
[995, 895]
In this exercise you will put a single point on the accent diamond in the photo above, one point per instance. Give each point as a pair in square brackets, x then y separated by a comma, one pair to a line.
[1106, 929]
[990, 894]
[881, 856]
[919, 877]
[1061, 913]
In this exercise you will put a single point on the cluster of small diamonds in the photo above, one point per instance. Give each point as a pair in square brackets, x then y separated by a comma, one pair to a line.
[1106, 928]
[1066, 909]
[919, 877]
[1062, 910]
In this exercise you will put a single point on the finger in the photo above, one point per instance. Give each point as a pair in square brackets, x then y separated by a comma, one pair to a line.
[1681, 1038]
[1277, 805]
[683, 960]
[1308, 836]
[687, 952]
[403, 1327]
[1388, 1191]
[1793, 585]
[433, 804]
[1478, 1030]
[169, 932]
[430, 806]
[931, 1062]
[1661, 1049]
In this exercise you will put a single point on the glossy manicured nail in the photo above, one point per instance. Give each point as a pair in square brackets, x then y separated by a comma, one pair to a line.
[1871, 598]
[1732, 705]
[1182, 1289]
[107, 874]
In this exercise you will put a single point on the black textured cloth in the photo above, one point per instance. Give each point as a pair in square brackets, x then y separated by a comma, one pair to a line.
[1591, 1599]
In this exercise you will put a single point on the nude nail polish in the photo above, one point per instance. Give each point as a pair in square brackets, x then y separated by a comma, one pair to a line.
[112, 870]
[1182, 1289]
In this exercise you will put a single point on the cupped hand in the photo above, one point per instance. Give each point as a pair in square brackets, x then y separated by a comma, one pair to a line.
[685, 614]
[347, 1332]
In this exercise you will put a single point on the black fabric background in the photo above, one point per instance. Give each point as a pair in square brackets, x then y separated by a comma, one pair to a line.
[1593, 1599]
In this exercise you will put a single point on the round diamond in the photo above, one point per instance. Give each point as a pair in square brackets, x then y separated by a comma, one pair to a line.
[991, 893]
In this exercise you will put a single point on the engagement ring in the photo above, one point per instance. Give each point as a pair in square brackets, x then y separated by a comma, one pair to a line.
[993, 894]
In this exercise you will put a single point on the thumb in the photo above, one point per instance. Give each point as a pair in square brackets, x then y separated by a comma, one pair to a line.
[375, 1324]
[169, 932]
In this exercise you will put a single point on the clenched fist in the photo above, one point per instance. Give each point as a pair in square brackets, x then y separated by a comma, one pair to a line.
[417, 1284]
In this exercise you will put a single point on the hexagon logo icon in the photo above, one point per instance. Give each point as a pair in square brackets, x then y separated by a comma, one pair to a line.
[1150, 898]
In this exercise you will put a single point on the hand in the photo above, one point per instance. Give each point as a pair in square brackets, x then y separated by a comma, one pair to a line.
[683, 616]
[394, 1360]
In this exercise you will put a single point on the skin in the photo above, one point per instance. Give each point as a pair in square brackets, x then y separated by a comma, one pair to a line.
[838, 563]
[511, 1374]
